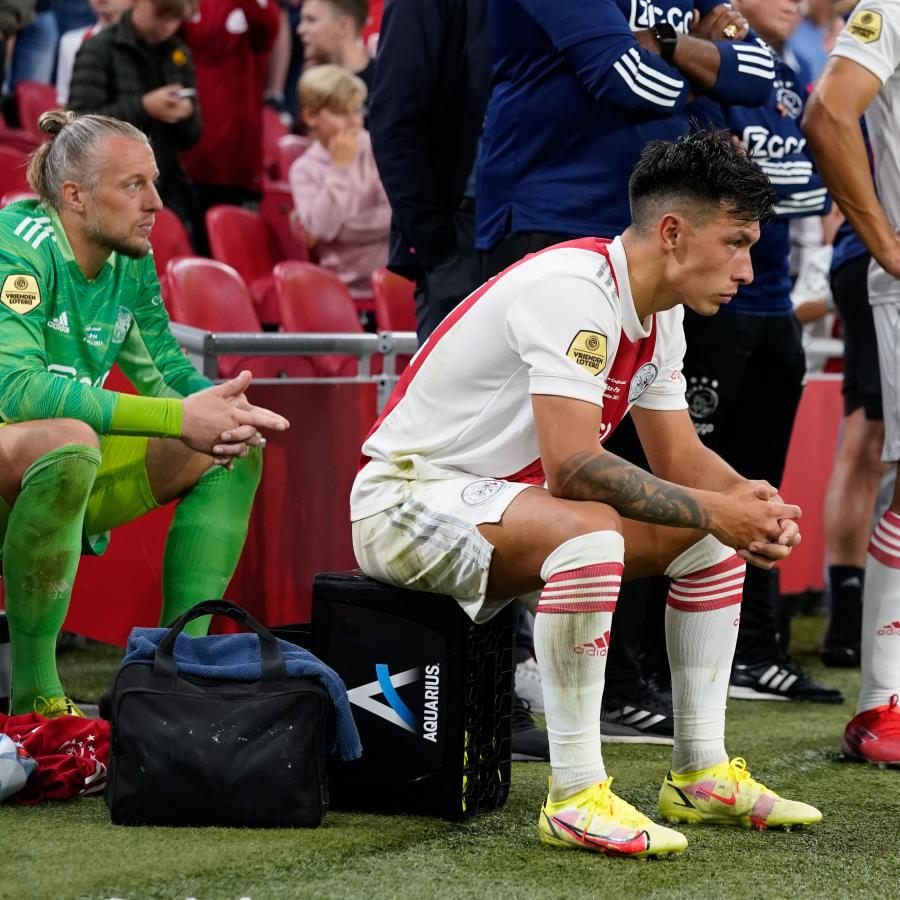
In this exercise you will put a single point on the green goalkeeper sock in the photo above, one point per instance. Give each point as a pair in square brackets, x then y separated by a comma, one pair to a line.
[40, 558]
[206, 538]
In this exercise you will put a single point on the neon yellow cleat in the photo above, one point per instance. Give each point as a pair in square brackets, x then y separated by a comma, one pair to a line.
[56, 707]
[596, 819]
[727, 795]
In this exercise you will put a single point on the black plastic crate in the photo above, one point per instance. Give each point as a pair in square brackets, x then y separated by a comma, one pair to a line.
[431, 694]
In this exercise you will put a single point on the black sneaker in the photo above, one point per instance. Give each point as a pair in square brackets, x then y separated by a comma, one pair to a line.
[836, 654]
[645, 718]
[778, 680]
[529, 743]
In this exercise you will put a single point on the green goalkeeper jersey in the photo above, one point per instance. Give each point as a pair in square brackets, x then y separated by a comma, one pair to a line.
[61, 333]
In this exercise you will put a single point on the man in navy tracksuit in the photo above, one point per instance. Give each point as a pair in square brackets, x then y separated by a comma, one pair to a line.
[579, 88]
[744, 367]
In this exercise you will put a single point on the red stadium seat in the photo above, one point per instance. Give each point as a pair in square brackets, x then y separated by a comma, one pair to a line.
[273, 129]
[13, 165]
[32, 99]
[210, 295]
[244, 241]
[17, 138]
[169, 239]
[16, 196]
[313, 300]
[276, 208]
[395, 306]
[290, 147]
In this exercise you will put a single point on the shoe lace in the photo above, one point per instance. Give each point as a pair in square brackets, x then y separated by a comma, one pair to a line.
[739, 770]
[55, 706]
[605, 803]
[890, 725]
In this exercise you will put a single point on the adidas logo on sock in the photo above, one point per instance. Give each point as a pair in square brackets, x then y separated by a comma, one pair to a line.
[892, 628]
[60, 323]
[598, 647]
[853, 581]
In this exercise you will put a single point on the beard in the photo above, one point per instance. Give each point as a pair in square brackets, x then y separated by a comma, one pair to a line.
[137, 248]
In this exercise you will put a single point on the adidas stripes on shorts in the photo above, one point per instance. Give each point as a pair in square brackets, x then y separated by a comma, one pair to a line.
[431, 541]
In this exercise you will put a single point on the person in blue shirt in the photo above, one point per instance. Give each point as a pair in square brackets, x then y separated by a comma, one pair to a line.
[745, 368]
[578, 90]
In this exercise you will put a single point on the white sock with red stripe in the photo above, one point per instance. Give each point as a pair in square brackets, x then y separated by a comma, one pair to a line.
[880, 639]
[702, 618]
[571, 641]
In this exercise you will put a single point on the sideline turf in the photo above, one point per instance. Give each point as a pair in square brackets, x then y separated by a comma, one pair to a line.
[71, 850]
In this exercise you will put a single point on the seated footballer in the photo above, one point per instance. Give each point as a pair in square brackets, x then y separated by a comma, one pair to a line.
[486, 478]
[78, 294]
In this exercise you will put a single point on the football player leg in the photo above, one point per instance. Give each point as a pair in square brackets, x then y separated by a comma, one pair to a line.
[702, 619]
[47, 470]
[208, 530]
[574, 552]
[873, 734]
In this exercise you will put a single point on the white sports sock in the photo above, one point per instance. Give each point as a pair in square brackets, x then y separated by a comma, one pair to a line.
[702, 618]
[880, 639]
[571, 641]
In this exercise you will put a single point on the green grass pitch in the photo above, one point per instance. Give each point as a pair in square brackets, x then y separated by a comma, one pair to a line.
[71, 850]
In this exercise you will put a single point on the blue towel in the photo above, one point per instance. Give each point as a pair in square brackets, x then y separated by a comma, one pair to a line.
[233, 657]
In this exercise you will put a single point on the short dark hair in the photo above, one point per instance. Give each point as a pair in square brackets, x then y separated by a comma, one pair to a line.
[358, 10]
[705, 168]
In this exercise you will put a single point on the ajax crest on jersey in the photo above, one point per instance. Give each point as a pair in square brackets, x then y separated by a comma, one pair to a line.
[643, 378]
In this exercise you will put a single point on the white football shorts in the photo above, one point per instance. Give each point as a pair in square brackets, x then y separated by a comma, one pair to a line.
[431, 541]
[887, 333]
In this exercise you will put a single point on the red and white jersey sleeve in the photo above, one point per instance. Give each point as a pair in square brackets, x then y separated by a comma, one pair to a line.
[560, 322]
[565, 328]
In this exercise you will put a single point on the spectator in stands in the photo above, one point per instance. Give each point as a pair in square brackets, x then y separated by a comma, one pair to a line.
[230, 43]
[337, 193]
[814, 36]
[14, 16]
[745, 367]
[34, 53]
[139, 71]
[427, 108]
[331, 31]
[577, 93]
[108, 12]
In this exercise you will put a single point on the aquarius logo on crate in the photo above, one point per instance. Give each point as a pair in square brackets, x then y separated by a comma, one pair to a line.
[395, 710]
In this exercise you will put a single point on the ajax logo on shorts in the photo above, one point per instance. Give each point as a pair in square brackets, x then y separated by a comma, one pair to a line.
[479, 492]
[394, 710]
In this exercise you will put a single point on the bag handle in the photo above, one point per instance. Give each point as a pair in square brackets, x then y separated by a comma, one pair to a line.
[272, 665]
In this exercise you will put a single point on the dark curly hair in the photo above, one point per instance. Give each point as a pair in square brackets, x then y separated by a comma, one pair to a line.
[704, 169]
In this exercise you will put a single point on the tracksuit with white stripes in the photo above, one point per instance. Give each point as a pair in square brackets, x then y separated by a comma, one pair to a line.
[574, 100]
[745, 366]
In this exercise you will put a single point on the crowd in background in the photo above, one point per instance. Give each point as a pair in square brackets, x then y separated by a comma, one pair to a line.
[458, 181]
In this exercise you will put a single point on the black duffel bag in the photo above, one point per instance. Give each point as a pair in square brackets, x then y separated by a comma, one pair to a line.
[191, 750]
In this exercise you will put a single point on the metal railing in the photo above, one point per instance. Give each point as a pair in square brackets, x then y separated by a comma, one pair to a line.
[205, 347]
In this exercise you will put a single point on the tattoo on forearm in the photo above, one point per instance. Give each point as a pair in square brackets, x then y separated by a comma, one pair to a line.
[634, 493]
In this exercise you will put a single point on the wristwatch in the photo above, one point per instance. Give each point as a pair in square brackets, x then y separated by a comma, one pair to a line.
[668, 39]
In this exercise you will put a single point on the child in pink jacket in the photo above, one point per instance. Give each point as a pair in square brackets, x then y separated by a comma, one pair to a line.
[337, 192]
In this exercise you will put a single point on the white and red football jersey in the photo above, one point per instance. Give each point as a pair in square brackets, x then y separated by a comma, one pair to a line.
[560, 322]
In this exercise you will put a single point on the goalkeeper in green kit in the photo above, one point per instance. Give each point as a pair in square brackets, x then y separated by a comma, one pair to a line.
[78, 293]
